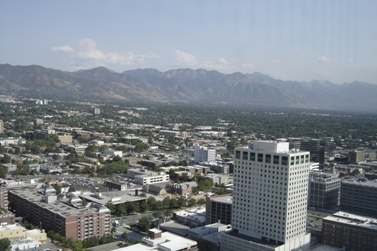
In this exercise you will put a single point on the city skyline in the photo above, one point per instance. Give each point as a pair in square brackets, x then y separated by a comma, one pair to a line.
[298, 40]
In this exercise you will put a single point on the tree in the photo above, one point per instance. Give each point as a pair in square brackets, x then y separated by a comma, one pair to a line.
[201, 201]
[124, 235]
[57, 188]
[4, 244]
[121, 209]
[157, 214]
[166, 202]
[3, 173]
[173, 203]
[143, 206]
[151, 202]
[167, 213]
[181, 202]
[144, 224]
[192, 202]
[111, 207]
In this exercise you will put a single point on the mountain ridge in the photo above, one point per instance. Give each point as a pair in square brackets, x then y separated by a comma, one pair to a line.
[184, 85]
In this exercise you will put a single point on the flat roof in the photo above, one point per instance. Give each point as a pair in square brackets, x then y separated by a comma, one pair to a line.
[168, 241]
[32, 194]
[204, 229]
[353, 220]
[225, 199]
[114, 197]
[365, 182]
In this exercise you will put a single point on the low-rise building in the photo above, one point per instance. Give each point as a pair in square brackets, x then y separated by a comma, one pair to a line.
[359, 197]
[184, 189]
[350, 231]
[193, 217]
[219, 209]
[219, 178]
[115, 185]
[324, 190]
[143, 177]
[12, 231]
[24, 244]
[162, 241]
[199, 232]
[158, 188]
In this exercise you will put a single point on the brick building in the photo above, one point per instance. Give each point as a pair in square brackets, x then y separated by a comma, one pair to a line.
[350, 231]
[41, 208]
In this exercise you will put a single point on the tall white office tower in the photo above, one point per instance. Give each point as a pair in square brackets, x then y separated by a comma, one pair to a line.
[269, 198]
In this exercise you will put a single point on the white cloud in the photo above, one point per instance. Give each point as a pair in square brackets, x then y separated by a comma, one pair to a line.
[323, 59]
[223, 60]
[185, 58]
[276, 61]
[64, 48]
[221, 64]
[92, 56]
[90, 50]
[248, 65]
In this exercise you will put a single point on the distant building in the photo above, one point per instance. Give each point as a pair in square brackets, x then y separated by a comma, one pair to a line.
[157, 188]
[219, 178]
[356, 156]
[65, 138]
[114, 153]
[203, 154]
[219, 209]
[359, 197]
[324, 190]
[96, 111]
[184, 189]
[116, 185]
[350, 231]
[313, 146]
[38, 122]
[1, 126]
[168, 134]
[143, 177]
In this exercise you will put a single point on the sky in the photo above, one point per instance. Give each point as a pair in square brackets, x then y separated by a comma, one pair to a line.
[298, 40]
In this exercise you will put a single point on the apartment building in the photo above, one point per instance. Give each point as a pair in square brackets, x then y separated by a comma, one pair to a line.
[42, 208]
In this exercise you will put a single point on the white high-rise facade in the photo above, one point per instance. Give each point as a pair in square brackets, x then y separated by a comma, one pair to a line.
[270, 193]
[203, 154]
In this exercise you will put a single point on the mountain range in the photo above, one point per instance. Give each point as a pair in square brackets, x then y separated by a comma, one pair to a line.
[184, 85]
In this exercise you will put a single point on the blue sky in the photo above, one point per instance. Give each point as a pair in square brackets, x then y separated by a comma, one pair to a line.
[291, 40]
